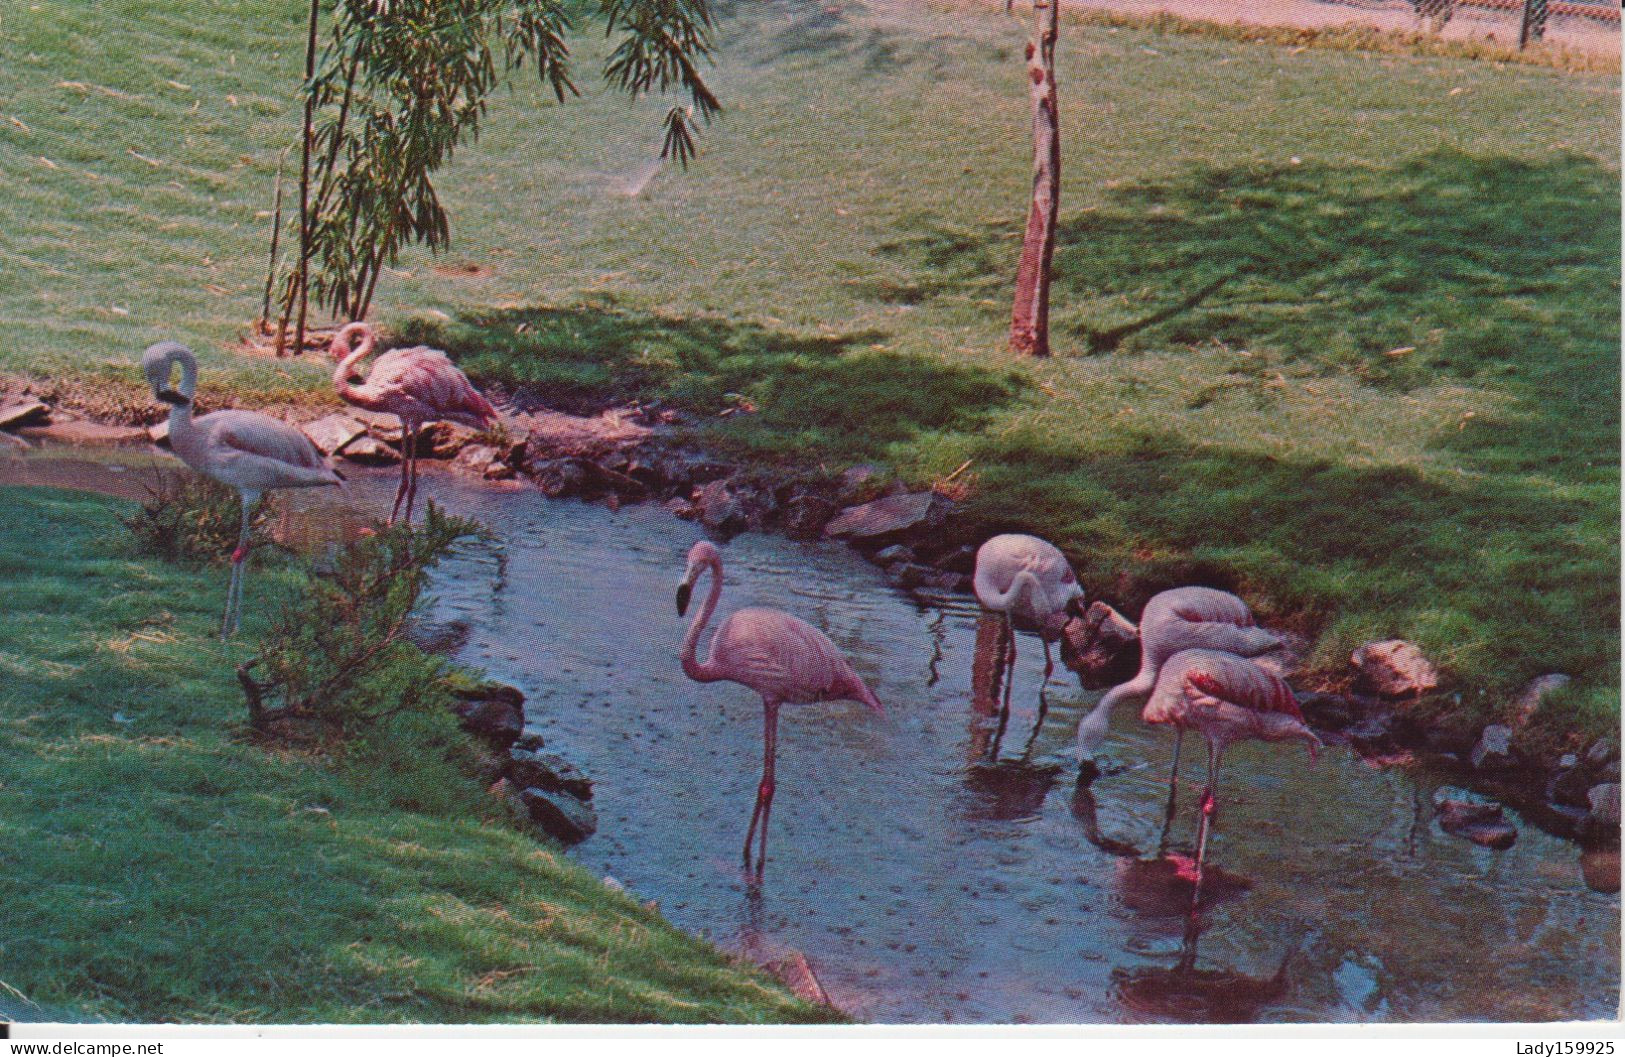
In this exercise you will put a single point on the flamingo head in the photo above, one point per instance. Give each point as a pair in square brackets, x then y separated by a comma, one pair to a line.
[855, 689]
[158, 364]
[700, 556]
[340, 348]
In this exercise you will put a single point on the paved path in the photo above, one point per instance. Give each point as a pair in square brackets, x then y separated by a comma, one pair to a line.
[1469, 22]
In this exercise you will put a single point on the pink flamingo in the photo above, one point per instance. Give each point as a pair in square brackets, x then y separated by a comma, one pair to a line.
[781, 657]
[416, 385]
[1026, 578]
[250, 452]
[1226, 699]
[1184, 618]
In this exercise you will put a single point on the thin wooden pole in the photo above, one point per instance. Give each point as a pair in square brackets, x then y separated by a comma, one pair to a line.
[303, 274]
[1029, 317]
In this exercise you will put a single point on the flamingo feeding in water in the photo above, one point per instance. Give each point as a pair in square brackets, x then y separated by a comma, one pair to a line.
[417, 385]
[1226, 699]
[245, 450]
[781, 657]
[1184, 618]
[1024, 578]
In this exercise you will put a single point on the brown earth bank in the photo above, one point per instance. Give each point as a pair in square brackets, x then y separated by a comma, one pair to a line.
[1388, 706]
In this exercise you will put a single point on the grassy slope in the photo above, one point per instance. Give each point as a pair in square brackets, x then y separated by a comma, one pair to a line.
[1248, 232]
[159, 868]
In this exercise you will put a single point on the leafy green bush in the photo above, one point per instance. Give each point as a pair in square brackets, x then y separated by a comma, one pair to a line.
[336, 652]
[187, 517]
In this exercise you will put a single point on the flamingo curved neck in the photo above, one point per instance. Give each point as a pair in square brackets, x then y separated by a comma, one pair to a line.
[1024, 581]
[180, 414]
[1139, 686]
[703, 671]
[350, 359]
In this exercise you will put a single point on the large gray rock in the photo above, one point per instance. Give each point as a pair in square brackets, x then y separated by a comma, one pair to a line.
[561, 477]
[492, 711]
[1494, 750]
[1483, 824]
[483, 460]
[1599, 867]
[332, 432]
[25, 412]
[559, 815]
[862, 482]
[1604, 799]
[1102, 646]
[1533, 695]
[370, 451]
[528, 768]
[891, 516]
[806, 515]
[1394, 668]
[1602, 751]
[720, 508]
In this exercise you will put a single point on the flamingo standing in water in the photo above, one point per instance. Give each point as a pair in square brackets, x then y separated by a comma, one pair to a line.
[417, 385]
[245, 450]
[1026, 578]
[1184, 618]
[1226, 699]
[781, 657]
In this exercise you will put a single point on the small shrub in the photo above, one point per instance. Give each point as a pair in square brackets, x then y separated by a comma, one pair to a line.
[187, 517]
[336, 653]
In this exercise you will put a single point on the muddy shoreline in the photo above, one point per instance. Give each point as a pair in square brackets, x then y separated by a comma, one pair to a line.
[635, 454]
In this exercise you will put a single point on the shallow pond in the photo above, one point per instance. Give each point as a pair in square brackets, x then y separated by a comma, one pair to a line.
[925, 886]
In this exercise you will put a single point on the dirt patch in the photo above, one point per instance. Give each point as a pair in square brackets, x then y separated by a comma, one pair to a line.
[464, 270]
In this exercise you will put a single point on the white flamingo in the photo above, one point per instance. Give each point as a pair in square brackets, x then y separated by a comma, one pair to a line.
[1184, 618]
[250, 452]
[783, 658]
[1024, 578]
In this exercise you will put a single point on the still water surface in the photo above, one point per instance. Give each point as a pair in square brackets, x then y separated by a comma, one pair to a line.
[923, 890]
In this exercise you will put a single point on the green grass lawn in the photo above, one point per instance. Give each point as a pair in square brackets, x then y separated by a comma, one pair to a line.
[1338, 328]
[159, 867]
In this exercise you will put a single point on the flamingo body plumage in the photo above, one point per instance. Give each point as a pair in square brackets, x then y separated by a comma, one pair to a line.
[782, 658]
[1183, 618]
[244, 450]
[1226, 699]
[417, 385]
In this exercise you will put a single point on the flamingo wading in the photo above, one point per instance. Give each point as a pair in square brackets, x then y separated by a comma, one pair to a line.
[1184, 618]
[1027, 579]
[245, 450]
[1226, 699]
[781, 657]
[417, 385]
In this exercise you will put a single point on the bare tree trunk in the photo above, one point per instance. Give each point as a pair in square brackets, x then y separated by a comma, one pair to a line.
[304, 180]
[1029, 320]
[276, 235]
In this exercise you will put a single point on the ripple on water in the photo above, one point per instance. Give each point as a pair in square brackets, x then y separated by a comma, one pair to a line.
[918, 901]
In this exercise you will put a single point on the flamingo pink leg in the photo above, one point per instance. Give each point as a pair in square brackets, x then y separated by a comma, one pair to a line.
[1173, 790]
[764, 792]
[239, 555]
[1210, 808]
[412, 488]
[1049, 662]
[1009, 661]
[406, 465]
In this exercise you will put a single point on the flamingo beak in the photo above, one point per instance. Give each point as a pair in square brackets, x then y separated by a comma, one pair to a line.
[170, 396]
[685, 590]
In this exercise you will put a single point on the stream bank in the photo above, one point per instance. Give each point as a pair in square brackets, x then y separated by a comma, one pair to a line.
[1389, 711]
